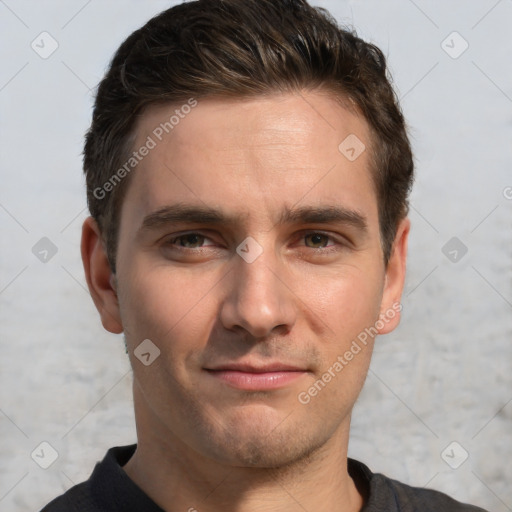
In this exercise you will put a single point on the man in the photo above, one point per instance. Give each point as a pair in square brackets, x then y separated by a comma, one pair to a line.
[247, 173]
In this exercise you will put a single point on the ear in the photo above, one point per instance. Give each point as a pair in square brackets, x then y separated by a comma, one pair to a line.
[99, 276]
[394, 280]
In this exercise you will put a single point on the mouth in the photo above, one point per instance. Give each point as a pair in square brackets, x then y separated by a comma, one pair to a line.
[257, 377]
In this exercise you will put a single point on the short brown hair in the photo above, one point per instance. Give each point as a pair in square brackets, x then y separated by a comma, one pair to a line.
[243, 48]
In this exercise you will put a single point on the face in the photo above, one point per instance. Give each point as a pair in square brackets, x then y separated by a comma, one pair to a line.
[249, 254]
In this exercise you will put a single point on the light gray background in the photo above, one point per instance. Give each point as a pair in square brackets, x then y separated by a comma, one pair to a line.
[444, 375]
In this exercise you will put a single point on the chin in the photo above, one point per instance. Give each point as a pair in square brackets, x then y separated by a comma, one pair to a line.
[260, 445]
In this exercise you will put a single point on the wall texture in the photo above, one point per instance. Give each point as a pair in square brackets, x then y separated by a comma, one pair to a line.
[444, 376]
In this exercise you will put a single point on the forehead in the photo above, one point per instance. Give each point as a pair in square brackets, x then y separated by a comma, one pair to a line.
[252, 155]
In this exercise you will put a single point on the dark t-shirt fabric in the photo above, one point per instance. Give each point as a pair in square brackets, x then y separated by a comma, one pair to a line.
[110, 489]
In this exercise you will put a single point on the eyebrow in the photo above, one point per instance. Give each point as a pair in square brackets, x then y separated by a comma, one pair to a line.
[200, 214]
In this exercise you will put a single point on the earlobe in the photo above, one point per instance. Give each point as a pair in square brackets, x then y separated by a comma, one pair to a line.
[394, 280]
[100, 279]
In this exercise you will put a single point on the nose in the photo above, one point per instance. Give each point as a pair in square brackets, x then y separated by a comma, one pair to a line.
[259, 299]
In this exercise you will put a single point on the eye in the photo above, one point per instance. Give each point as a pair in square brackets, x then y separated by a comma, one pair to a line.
[188, 241]
[194, 241]
[317, 239]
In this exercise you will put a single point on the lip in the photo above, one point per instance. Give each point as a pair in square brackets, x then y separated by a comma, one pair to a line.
[250, 368]
[257, 378]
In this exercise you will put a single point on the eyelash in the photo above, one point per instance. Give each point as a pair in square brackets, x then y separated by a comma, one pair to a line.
[172, 241]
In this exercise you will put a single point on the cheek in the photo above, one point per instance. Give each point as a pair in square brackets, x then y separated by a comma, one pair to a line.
[347, 300]
[348, 304]
[173, 311]
[167, 304]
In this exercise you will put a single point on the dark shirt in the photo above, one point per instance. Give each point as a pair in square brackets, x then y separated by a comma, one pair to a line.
[109, 489]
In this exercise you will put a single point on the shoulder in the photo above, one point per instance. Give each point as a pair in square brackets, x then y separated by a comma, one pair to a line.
[76, 499]
[384, 494]
[106, 488]
[416, 499]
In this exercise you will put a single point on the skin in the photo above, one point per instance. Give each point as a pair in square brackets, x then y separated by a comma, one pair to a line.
[201, 443]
